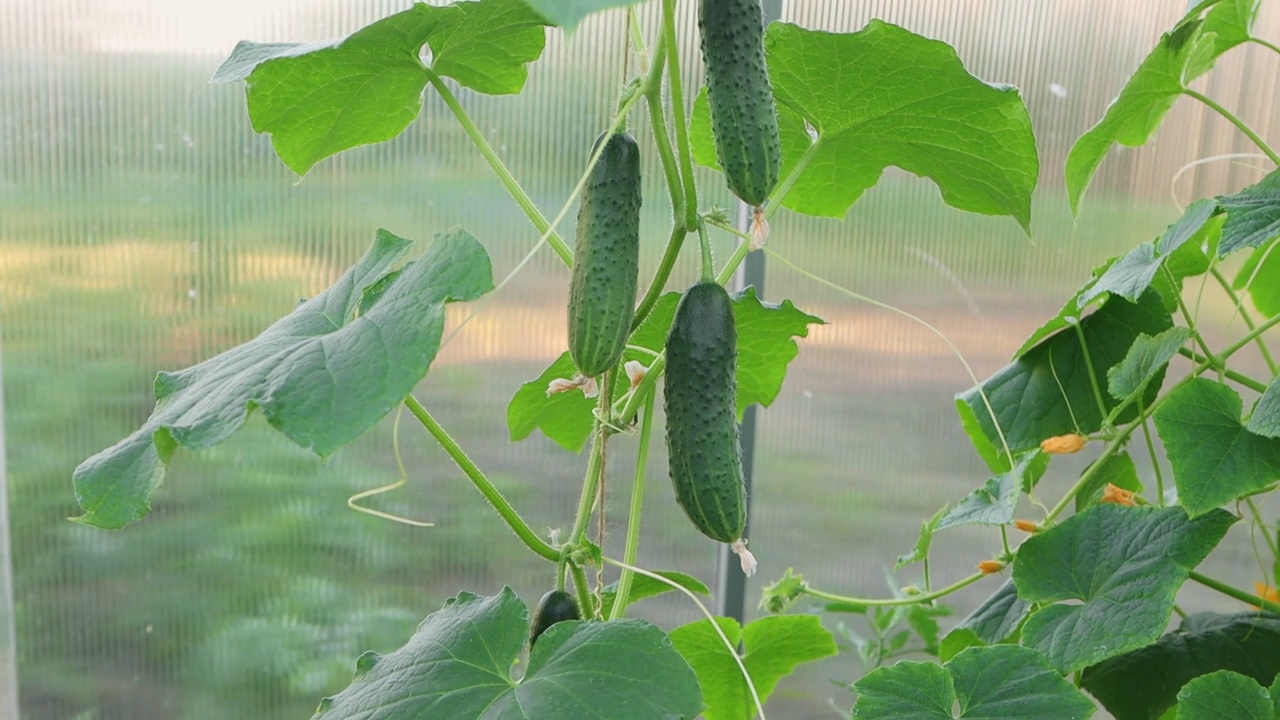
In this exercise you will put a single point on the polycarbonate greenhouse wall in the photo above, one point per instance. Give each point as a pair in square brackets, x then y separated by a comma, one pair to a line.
[144, 226]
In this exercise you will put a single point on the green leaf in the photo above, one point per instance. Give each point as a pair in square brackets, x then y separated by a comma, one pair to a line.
[1265, 420]
[1260, 276]
[923, 620]
[995, 621]
[765, 345]
[1046, 392]
[1224, 695]
[921, 549]
[1231, 22]
[765, 348]
[1144, 683]
[994, 502]
[643, 587]
[1253, 215]
[774, 646]
[318, 99]
[1146, 358]
[1068, 315]
[458, 665]
[886, 96]
[1214, 458]
[568, 13]
[780, 595]
[1117, 469]
[1182, 54]
[1192, 224]
[1124, 565]
[320, 375]
[992, 683]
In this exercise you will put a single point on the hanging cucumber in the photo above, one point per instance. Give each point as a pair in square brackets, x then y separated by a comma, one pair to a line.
[606, 257]
[556, 606]
[703, 448]
[744, 120]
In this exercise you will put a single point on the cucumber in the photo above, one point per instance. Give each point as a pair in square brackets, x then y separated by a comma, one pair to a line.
[606, 257]
[703, 450]
[556, 606]
[744, 120]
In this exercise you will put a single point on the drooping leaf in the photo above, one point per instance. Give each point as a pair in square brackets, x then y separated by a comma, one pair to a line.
[773, 647]
[1265, 419]
[766, 345]
[1214, 458]
[921, 549]
[568, 13]
[1231, 22]
[318, 99]
[1224, 695]
[643, 587]
[1144, 683]
[872, 97]
[1183, 53]
[1117, 469]
[995, 621]
[993, 683]
[994, 502]
[1123, 564]
[1047, 392]
[1253, 215]
[1146, 358]
[321, 375]
[1068, 315]
[458, 664]
[1191, 224]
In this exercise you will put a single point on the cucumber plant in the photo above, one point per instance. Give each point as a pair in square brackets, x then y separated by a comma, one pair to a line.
[1087, 597]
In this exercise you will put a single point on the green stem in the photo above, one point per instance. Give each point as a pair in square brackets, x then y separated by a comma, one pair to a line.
[1093, 376]
[504, 176]
[594, 466]
[1265, 44]
[584, 593]
[708, 265]
[1266, 535]
[1241, 378]
[1248, 320]
[1249, 337]
[1186, 313]
[890, 602]
[477, 478]
[658, 126]
[629, 404]
[668, 262]
[1155, 459]
[781, 191]
[1234, 592]
[633, 520]
[1240, 125]
[1085, 477]
[677, 112]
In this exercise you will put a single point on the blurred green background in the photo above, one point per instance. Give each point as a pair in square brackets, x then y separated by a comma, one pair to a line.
[144, 226]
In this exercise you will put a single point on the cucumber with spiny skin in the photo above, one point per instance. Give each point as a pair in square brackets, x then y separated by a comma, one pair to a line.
[744, 119]
[703, 448]
[556, 606]
[606, 257]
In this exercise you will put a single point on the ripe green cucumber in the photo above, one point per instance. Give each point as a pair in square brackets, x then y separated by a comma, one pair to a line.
[556, 606]
[606, 257]
[703, 450]
[744, 120]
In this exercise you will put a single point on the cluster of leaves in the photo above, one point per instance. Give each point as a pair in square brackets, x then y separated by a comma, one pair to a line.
[1089, 596]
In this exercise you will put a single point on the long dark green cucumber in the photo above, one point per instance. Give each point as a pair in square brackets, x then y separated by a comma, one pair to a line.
[703, 448]
[744, 119]
[606, 257]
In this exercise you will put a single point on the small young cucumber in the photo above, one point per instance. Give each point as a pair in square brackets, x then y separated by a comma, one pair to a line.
[744, 120]
[702, 427]
[556, 606]
[606, 257]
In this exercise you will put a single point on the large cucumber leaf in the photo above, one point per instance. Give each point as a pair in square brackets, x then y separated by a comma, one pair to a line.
[886, 96]
[1225, 695]
[1144, 683]
[318, 99]
[458, 665]
[322, 375]
[1004, 682]
[1121, 567]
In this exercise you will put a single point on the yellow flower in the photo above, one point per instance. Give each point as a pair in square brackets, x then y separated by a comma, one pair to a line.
[1026, 526]
[1117, 495]
[1064, 444]
[1266, 592]
[990, 567]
